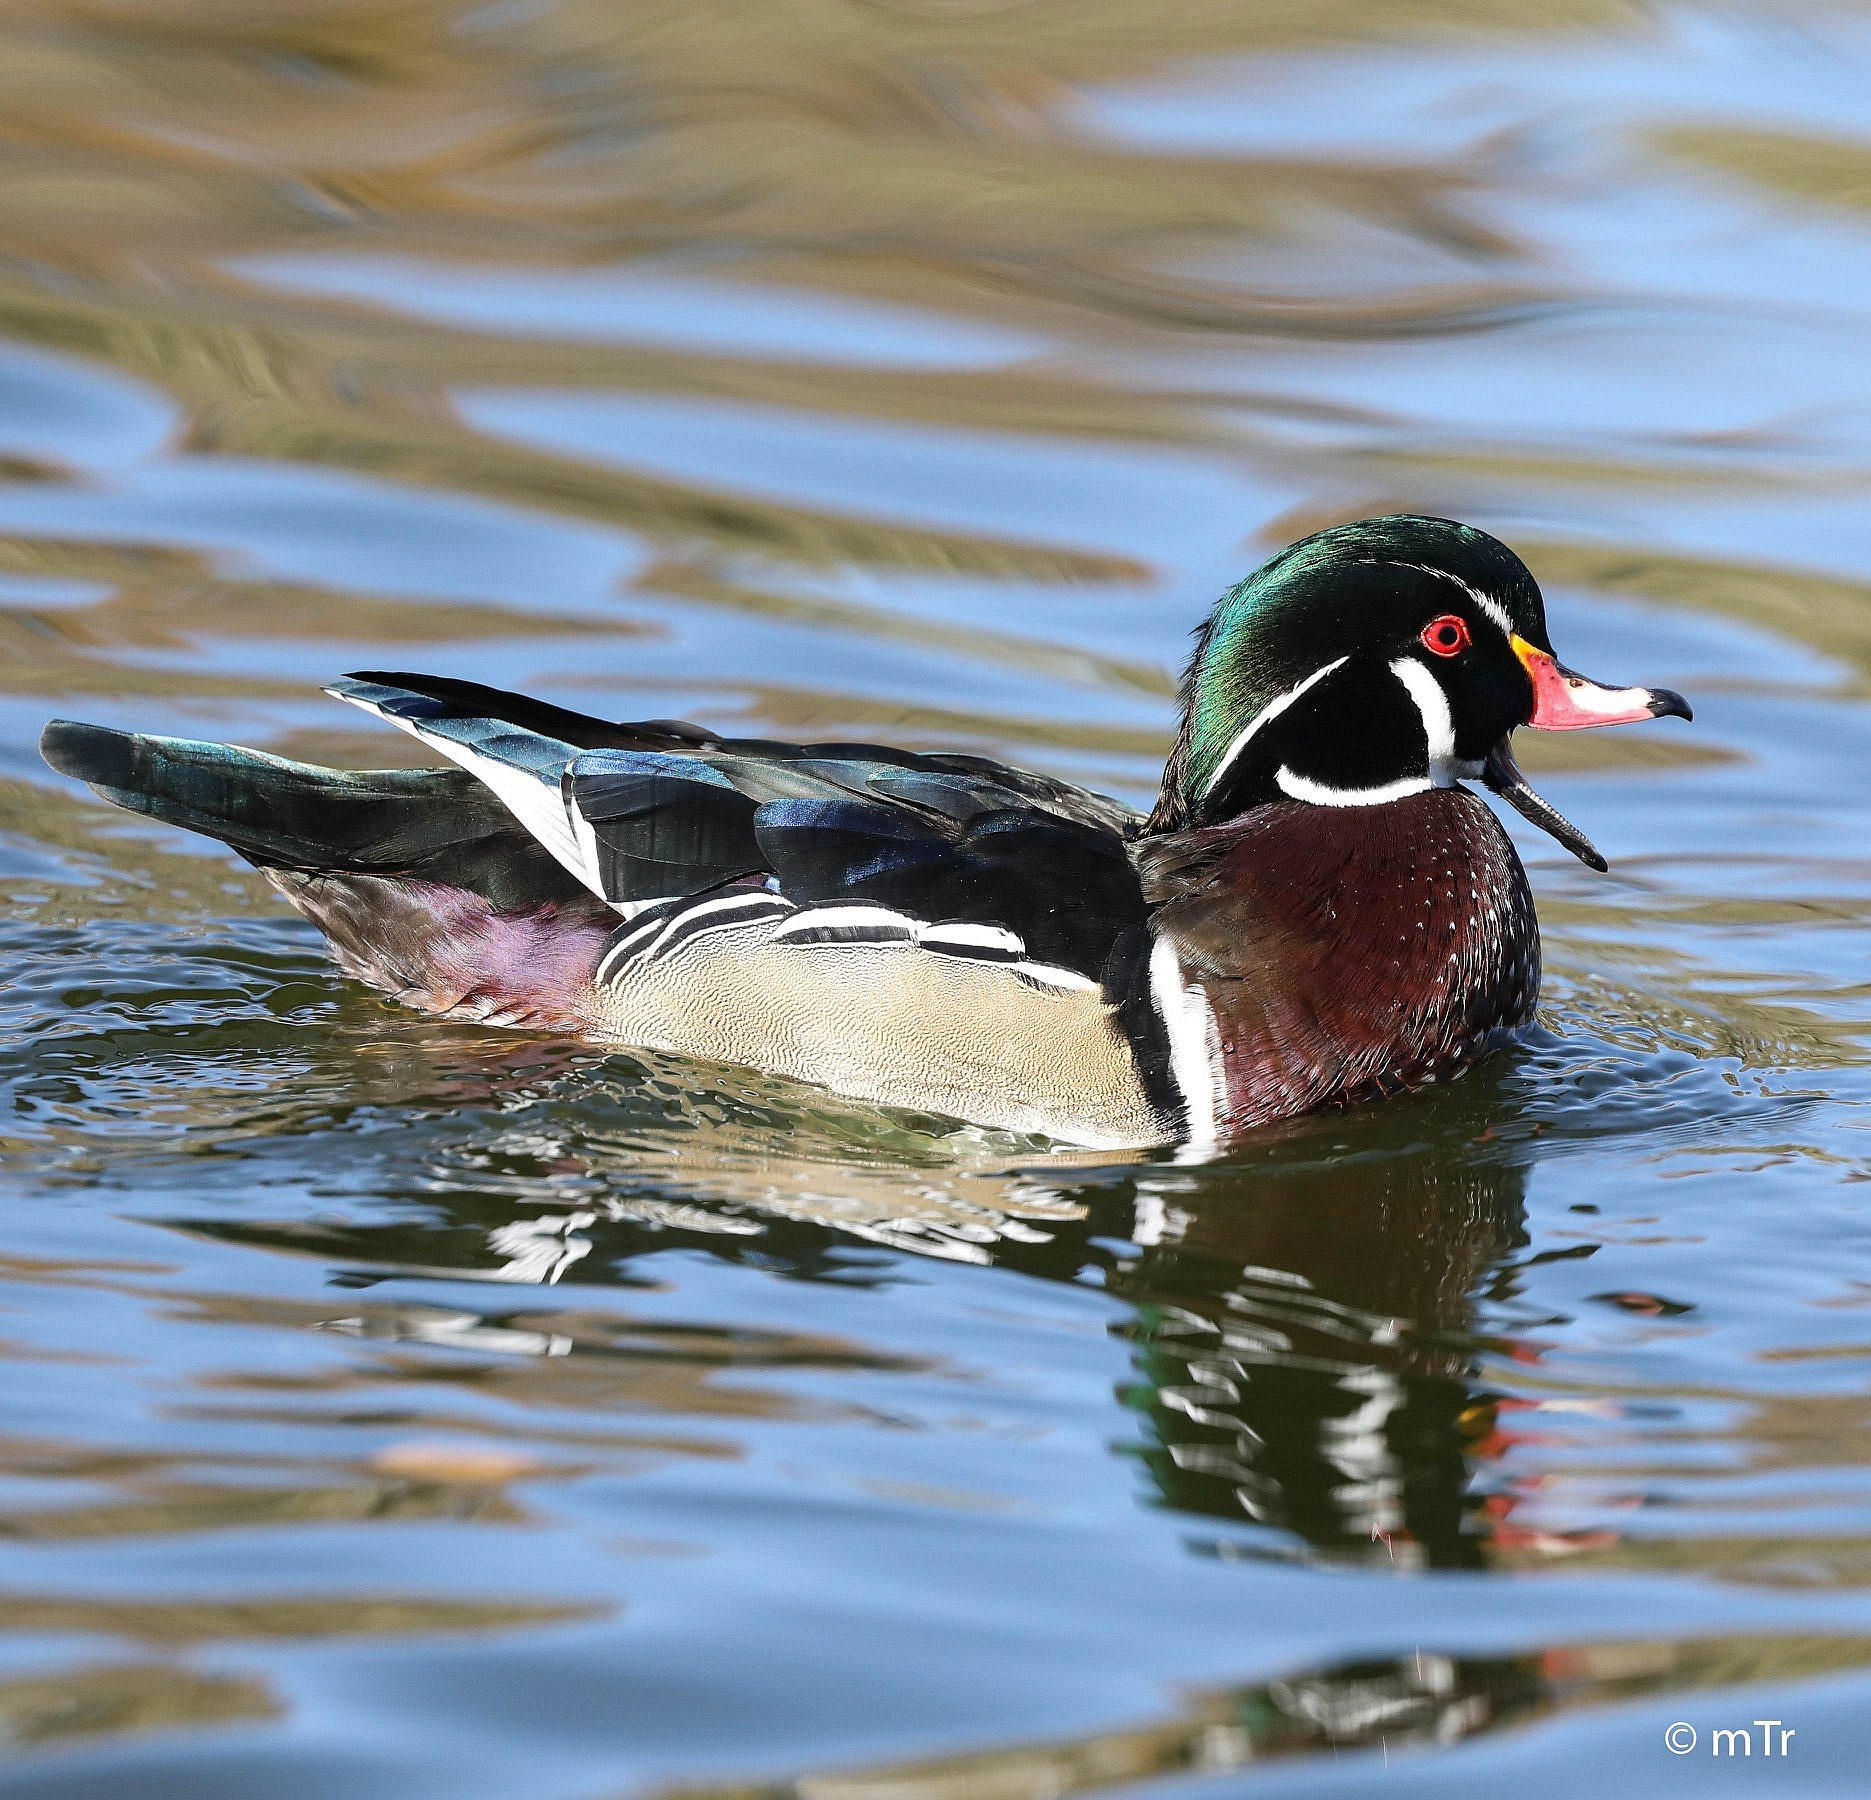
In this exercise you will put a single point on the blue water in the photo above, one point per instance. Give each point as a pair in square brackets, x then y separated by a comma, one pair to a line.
[395, 1407]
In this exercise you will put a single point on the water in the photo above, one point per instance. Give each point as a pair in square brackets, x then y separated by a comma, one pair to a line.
[399, 1408]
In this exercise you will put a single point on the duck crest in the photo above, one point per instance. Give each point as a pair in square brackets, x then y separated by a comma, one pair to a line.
[1342, 954]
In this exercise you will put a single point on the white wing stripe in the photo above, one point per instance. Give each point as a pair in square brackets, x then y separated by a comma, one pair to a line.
[1051, 975]
[845, 916]
[767, 904]
[750, 910]
[535, 802]
[586, 841]
[966, 935]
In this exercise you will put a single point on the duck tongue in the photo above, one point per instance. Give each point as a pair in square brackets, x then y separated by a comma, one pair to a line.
[1503, 775]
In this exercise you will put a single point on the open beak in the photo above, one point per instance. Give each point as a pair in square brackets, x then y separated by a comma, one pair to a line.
[1503, 775]
[1563, 701]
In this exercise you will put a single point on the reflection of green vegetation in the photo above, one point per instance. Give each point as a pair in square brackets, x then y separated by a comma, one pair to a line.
[1546, 754]
[114, 1699]
[263, 391]
[895, 153]
[166, 881]
[199, 1507]
[807, 711]
[1822, 170]
[1829, 613]
[1058, 661]
[304, 1620]
[168, 600]
[1646, 992]
[1091, 39]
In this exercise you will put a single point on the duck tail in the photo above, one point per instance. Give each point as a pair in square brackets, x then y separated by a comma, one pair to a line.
[436, 823]
[425, 885]
[274, 812]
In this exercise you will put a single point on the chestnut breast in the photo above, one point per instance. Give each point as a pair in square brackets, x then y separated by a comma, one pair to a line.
[1345, 952]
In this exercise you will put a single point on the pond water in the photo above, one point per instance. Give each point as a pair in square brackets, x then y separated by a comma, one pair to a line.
[398, 1408]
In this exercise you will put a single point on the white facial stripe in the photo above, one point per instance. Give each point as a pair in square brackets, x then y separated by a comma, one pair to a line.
[1487, 602]
[1442, 759]
[1272, 710]
[1316, 793]
[1432, 704]
[1438, 721]
[1194, 1052]
[1494, 609]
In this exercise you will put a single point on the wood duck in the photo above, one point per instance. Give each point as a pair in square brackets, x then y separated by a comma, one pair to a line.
[1316, 912]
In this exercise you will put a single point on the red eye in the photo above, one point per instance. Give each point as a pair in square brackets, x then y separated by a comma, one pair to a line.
[1446, 636]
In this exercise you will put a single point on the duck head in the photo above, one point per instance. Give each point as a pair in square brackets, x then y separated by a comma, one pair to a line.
[1374, 661]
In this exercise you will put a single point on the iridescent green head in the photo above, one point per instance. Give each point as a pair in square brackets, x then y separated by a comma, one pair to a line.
[1370, 662]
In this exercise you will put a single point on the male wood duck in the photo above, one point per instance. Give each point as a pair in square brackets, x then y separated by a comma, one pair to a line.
[1316, 912]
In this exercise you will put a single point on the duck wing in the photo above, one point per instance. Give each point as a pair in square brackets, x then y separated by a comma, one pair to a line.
[863, 842]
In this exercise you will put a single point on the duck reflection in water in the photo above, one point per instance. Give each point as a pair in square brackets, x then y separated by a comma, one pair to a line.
[1306, 1358]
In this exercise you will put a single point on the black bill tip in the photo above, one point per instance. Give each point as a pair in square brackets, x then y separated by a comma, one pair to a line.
[1666, 703]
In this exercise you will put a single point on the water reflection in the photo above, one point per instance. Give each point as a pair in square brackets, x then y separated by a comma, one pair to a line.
[1306, 1348]
[116, 1699]
[1320, 1371]
[1304, 1332]
[1418, 1702]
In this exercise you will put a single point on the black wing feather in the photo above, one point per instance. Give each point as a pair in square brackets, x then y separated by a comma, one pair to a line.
[939, 836]
[471, 700]
[663, 824]
[1066, 890]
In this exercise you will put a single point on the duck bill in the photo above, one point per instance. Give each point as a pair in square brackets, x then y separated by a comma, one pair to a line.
[1564, 700]
[1503, 776]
